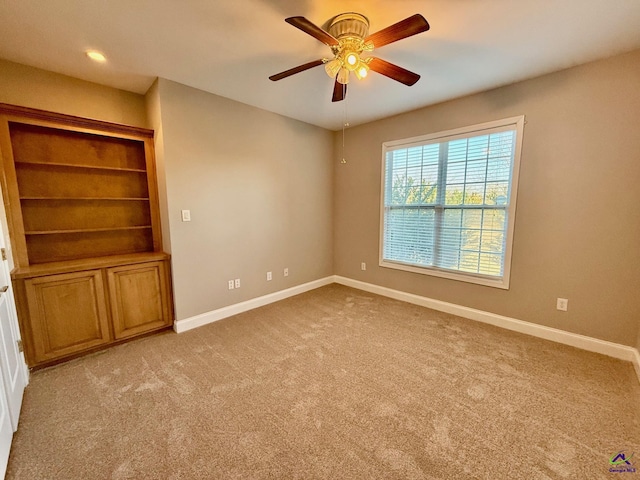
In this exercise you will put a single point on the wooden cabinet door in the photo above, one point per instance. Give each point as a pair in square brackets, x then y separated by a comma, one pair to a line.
[139, 298]
[68, 313]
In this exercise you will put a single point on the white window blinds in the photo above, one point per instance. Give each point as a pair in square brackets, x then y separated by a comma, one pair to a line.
[447, 201]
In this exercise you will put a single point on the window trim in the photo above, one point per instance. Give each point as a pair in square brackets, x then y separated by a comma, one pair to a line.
[448, 135]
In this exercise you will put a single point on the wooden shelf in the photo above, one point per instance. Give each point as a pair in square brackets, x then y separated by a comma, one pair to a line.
[54, 268]
[71, 165]
[86, 230]
[69, 247]
[76, 199]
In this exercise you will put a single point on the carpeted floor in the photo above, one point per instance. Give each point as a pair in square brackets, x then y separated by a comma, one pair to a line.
[334, 383]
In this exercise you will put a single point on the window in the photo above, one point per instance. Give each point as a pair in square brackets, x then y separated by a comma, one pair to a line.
[448, 202]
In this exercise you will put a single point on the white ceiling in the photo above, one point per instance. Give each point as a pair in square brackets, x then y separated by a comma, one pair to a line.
[230, 47]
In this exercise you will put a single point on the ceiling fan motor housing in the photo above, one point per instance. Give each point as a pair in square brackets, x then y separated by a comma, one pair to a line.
[349, 25]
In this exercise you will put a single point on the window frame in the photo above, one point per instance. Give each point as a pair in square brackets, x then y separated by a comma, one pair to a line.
[511, 123]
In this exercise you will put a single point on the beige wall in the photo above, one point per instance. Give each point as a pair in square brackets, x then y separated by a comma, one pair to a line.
[577, 223]
[154, 118]
[259, 187]
[35, 88]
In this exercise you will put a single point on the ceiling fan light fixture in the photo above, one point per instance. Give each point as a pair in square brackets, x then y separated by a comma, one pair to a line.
[343, 76]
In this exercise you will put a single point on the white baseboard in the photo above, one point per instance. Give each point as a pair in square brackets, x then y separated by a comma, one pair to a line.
[213, 316]
[622, 352]
[636, 362]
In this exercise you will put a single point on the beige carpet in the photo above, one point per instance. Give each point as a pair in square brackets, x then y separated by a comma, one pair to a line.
[334, 383]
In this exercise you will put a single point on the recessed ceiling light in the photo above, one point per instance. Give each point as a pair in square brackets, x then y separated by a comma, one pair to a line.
[96, 56]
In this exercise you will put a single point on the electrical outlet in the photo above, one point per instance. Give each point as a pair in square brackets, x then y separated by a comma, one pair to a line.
[186, 215]
[363, 266]
[237, 283]
[562, 304]
[231, 285]
[269, 276]
[286, 272]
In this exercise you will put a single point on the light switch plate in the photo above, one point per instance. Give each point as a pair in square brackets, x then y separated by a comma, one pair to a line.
[186, 215]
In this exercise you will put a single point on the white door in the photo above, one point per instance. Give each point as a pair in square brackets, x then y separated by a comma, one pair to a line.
[6, 431]
[10, 355]
[11, 358]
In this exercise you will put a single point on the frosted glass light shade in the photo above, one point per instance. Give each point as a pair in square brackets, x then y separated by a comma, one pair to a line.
[332, 67]
[343, 76]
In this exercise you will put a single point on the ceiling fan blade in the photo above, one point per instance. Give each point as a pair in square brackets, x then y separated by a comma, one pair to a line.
[339, 91]
[316, 32]
[403, 29]
[294, 70]
[394, 72]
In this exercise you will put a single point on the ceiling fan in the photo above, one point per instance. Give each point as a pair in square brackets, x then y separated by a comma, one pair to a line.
[348, 36]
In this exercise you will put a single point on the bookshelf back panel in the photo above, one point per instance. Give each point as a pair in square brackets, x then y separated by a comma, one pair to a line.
[33, 143]
[46, 181]
[49, 215]
[73, 246]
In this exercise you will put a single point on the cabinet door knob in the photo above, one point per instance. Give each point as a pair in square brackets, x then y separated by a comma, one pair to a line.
[4, 289]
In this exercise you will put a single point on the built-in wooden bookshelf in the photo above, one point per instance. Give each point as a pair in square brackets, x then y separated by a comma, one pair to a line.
[81, 196]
